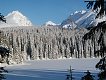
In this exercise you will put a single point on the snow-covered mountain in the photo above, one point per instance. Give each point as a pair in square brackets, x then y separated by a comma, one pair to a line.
[68, 23]
[80, 18]
[15, 18]
[50, 23]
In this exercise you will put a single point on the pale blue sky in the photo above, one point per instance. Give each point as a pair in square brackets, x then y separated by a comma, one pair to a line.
[41, 11]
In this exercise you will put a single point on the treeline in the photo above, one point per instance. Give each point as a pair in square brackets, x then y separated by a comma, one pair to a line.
[49, 42]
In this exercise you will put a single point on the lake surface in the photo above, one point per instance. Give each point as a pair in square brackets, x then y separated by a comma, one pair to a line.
[51, 69]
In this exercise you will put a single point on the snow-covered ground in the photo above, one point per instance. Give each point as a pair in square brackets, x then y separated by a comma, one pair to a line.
[51, 69]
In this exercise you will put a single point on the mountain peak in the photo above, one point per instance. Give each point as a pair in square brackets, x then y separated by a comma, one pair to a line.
[16, 18]
[15, 13]
[79, 12]
[50, 23]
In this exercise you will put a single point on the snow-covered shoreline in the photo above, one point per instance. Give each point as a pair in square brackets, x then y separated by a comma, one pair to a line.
[59, 64]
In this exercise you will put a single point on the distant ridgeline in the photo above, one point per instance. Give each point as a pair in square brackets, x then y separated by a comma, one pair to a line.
[49, 42]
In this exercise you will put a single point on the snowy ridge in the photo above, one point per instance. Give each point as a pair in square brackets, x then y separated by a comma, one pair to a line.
[50, 23]
[68, 23]
[77, 14]
[71, 25]
[16, 18]
[80, 18]
[85, 16]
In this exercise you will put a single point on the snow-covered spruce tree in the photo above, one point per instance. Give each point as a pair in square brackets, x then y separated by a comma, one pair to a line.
[2, 75]
[97, 35]
[70, 74]
[88, 76]
[102, 66]
[4, 46]
[2, 18]
[98, 6]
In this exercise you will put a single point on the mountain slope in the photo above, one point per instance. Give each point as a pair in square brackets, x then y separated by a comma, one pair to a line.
[16, 19]
[68, 23]
[80, 18]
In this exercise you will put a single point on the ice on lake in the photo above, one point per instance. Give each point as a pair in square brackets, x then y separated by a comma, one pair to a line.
[51, 69]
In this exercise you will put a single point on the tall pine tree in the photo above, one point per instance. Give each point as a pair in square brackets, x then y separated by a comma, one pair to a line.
[98, 6]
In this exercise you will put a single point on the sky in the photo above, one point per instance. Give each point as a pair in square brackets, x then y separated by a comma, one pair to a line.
[41, 11]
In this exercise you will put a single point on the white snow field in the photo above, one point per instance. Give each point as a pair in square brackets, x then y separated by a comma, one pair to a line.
[51, 69]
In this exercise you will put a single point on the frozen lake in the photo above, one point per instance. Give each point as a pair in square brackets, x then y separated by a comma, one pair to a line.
[51, 69]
